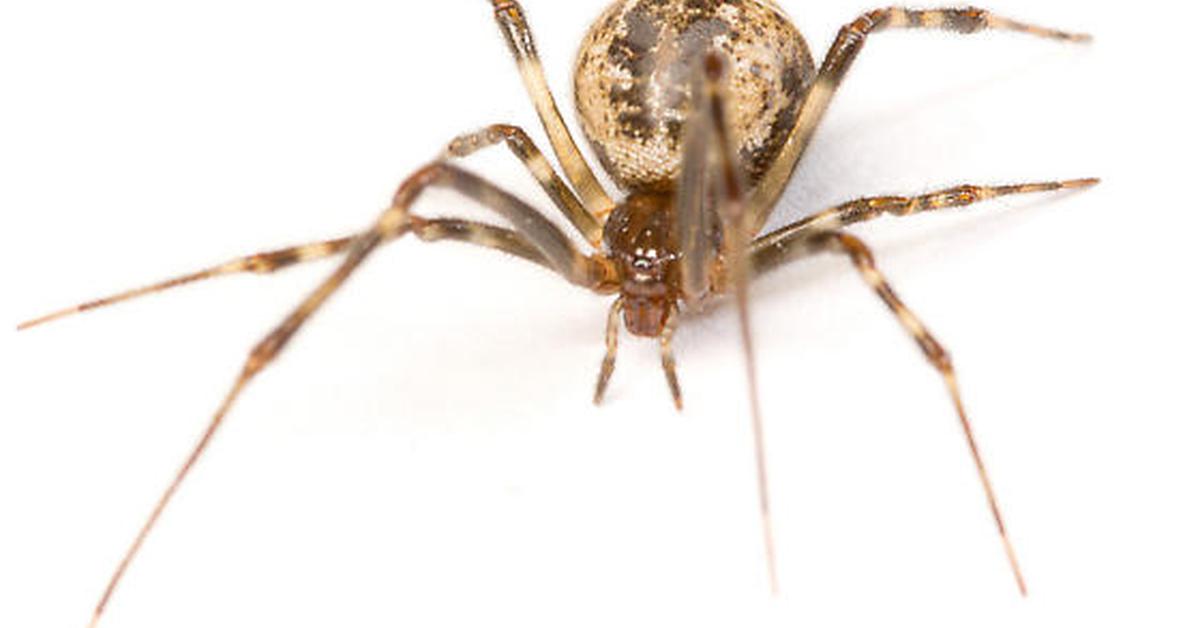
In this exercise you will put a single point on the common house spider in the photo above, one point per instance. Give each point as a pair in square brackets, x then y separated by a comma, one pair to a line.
[699, 111]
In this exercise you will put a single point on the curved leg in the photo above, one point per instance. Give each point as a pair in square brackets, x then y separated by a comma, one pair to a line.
[524, 149]
[870, 208]
[511, 18]
[536, 237]
[806, 244]
[841, 55]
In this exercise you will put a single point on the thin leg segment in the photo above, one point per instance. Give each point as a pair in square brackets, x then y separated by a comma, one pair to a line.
[266, 262]
[697, 216]
[668, 359]
[524, 149]
[511, 18]
[775, 252]
[841, 56]
[535, 238]
[870, 208]
[711, 145]
[612, 333]
[479, 234]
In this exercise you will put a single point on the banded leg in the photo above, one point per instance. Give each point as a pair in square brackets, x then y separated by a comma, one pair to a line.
[841, 55]
[772, 253]
[534, 236]
[870, 208]
[263, 263]
[721, 258]
[271, 261]
[511, 18]
[524, 149]
[479, 234]
[268, 262]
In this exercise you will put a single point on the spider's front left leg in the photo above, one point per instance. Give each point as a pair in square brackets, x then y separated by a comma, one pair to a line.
[267, 262]
[511, 18]
[772, 251]
[271, 261]
[841, 56]
[262, 263]
[534, 238]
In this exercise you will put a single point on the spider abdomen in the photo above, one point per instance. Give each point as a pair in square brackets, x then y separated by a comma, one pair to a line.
[635, 71]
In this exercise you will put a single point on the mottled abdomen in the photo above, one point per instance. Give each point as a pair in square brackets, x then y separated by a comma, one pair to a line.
[635, 72]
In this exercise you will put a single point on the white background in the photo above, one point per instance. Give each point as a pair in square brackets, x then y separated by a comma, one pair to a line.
[426, 453]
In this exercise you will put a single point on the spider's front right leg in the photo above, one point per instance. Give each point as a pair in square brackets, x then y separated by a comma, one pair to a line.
[872, 207]
[534, 238]
[841, 56]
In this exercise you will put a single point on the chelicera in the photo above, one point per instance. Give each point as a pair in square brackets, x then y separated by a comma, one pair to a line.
[699, 111]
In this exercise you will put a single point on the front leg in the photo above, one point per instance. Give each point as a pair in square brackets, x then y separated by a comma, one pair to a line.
[498, 238]
[841, 56]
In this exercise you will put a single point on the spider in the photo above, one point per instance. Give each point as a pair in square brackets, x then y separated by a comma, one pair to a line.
[699, 111]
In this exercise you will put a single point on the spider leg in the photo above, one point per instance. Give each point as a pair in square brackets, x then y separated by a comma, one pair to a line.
[511, 18]
[271, 261]
[841, 56]
[265, 262]
[668, 359]
[771, 252]
[524, 149]
[697, 223]
[714, 242]
[612, 332]
[535, 237]
[870, 208]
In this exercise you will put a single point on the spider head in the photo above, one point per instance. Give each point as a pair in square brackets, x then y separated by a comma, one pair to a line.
[640, 236]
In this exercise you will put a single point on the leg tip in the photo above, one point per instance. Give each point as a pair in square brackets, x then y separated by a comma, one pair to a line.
[598, 396]
[1078, 184]
[42, 320]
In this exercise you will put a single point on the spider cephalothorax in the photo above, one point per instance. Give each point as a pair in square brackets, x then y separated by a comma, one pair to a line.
[640, 237]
